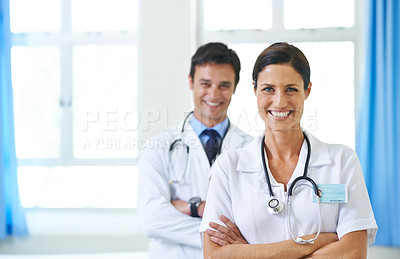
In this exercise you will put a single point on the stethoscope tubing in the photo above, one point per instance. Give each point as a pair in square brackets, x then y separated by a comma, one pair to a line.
[171, 147]
[174, 143]
[304, 177]
[298, 240]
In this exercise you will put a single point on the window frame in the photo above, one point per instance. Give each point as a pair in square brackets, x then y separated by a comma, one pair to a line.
[279, 33]
[65, 39]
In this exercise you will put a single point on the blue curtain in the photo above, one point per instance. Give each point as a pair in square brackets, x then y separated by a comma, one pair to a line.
[378, 140]
[12, 219]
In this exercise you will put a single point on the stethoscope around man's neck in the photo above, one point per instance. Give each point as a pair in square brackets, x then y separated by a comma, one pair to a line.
[275, 206]
[183, 130]
[180, 141]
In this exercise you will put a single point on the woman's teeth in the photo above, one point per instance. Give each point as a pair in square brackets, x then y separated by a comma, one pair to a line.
[280, 114]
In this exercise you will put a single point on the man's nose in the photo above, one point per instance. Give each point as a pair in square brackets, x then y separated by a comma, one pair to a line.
[213, 91]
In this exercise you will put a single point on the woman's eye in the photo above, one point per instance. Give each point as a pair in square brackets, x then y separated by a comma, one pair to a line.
[268, 89]
[291, 89]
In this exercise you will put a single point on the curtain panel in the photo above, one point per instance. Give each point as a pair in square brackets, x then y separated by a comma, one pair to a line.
[12, 219]
[378, 141]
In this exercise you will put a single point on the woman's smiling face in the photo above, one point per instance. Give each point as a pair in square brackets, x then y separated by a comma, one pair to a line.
[280, 97]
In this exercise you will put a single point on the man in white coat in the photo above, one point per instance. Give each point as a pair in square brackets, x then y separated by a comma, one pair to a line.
[175, 165]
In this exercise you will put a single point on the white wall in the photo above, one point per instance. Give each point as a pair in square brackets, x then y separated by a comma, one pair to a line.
[167, 42]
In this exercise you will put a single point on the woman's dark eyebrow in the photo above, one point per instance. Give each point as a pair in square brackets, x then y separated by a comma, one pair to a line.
[266, 84]
[272, 85]
[292, 84]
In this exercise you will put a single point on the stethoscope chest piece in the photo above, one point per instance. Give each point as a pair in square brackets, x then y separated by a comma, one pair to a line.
[274, 205]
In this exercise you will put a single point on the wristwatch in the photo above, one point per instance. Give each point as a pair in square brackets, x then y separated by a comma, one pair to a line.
[194, 203]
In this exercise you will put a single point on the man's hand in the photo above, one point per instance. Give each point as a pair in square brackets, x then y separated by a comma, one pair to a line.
[225, 235]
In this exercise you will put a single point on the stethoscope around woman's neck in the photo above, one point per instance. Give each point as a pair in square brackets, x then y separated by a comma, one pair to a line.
[275, 205]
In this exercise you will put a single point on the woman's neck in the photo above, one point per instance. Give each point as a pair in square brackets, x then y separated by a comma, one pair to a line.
[283, 145]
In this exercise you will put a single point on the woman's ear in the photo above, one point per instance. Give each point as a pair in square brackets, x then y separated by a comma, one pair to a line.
[308, 91]
[255, 87]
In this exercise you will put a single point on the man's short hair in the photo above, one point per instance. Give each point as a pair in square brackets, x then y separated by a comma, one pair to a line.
[215, 53]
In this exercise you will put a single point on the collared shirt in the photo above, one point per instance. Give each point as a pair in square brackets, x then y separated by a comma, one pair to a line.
[199, 127]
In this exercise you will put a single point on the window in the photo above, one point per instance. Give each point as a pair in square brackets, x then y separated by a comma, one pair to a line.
[329, 43]
[74, 74]
[258, 12]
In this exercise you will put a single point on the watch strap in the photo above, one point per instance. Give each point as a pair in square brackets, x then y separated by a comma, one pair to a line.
[193, 210]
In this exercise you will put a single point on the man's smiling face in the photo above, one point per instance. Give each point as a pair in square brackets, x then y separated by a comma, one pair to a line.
[213, 86]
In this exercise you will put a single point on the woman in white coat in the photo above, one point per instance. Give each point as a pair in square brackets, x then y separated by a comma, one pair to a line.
[251, 187]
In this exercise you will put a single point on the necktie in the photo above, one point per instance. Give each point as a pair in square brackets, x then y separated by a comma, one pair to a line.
[212, 144]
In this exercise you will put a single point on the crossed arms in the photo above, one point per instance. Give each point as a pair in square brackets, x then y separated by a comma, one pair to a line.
[227, 242]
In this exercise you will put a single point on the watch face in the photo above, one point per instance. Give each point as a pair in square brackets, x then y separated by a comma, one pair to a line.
[194, 200]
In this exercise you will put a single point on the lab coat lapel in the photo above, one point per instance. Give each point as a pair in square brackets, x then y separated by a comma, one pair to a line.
[190, 137]
[250, 159]
[260, 166]
[301, 163]
[250, 162]
[233, 139]
[319, 152]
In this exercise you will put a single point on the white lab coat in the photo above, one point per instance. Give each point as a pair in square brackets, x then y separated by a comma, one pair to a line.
[239, 190]
[175, 235]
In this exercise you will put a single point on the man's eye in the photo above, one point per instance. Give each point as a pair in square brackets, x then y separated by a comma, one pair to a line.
[225, 86]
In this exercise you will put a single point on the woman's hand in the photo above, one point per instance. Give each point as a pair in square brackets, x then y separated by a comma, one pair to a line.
[225, 235]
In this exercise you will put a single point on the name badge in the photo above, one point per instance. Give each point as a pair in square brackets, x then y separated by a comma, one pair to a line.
[332, 193]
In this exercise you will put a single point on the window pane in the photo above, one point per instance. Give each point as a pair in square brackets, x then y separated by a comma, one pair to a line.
[35, 16]
[104, 15]
[36, 83]
[75, 187]
[105, 86]
[329, 110]
[243, 109]
[237, 15]
[309, 14]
